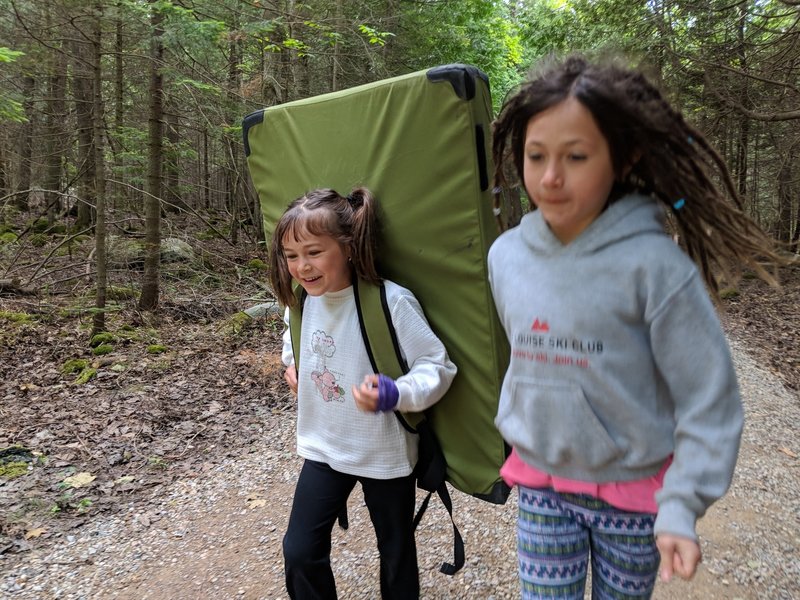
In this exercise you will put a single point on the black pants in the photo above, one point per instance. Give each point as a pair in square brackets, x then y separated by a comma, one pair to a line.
[319, 497]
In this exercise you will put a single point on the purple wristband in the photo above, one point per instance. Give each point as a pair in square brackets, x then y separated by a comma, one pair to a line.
[388, 394]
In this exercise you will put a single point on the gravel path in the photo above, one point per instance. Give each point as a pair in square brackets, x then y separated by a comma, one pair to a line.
[217, 535]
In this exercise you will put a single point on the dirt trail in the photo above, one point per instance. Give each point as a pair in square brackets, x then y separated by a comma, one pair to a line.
[216, 534]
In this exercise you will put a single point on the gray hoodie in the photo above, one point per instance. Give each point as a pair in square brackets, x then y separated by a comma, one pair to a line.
[618, 359]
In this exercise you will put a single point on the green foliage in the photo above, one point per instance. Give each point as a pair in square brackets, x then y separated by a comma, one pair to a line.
[103, 337]
[294, 44]
[156, 349]
[10, 108]
[7, 55]
[261, 29]
[16, 317]
[374, 36]
[74, 365]
[39, 225]
[120, 293]
[239, 322]
[85, 376]
[256, 264]
[67, 502]
[38, 240]
[102, 349]
[224, 59]
[208, 234]
[483, 33]
[157, 462]
[10, 470]
[211, 89]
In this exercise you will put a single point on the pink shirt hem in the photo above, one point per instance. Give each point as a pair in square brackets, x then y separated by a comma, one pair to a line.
[635, 496]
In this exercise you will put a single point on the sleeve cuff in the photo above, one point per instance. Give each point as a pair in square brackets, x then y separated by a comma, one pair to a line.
[675, 519]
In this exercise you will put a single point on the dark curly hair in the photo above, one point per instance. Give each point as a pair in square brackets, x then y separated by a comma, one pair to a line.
[654, 151]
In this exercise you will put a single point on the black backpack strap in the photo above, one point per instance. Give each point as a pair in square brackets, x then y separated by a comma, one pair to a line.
[383, 348]
[458, 541]
[430, 472]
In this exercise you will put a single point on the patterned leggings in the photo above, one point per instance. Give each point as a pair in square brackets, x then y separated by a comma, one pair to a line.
[555, 534]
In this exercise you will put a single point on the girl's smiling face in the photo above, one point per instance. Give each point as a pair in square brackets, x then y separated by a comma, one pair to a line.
[568, 171]
[318, 262]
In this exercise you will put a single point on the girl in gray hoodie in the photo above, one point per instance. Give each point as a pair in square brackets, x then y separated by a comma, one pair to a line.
[620, 400]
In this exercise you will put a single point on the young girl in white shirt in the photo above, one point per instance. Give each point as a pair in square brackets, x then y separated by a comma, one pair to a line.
[347, 431]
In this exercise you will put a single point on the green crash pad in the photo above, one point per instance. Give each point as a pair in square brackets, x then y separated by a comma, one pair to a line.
[420, 143]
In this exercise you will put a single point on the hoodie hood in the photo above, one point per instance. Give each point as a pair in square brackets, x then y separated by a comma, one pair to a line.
[629, 216]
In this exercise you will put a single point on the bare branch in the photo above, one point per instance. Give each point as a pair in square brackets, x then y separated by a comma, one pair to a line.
[187, 208]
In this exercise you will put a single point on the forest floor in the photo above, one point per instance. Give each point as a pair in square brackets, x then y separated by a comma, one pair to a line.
[162, 427]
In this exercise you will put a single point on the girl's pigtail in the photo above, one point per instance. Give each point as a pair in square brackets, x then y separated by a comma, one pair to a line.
[363, 247]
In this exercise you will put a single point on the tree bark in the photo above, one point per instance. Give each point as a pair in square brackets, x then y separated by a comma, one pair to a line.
[24, 173]
[99, 318]
[233, 145]
[3, 172]
[172, 192]
[56, 143]
[148, 300]
[83, 94]
[783, 228]
[206, 172]
[742, 141]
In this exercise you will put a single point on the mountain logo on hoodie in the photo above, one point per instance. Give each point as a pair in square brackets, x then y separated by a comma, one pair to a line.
[540, 326]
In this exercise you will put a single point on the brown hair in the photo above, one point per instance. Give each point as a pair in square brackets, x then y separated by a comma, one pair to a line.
[654, 151]
[350, 220]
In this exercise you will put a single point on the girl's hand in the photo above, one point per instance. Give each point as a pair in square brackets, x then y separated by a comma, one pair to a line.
[366, 394]
[290, 377]
[679, 555]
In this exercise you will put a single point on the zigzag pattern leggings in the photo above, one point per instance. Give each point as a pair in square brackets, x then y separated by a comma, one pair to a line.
[557, 533]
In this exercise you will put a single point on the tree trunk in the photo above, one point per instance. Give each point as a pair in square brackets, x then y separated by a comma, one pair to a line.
[795, 247]
[174, 203]
[206, 172]
[119, 91]
[99, 319]
[4, 184]
[286, 88]
[742, 141]
[783, 228]
[119, 73]
[83, 94]
[233, 155]
[335, 61]
[56, 144]
[24, 174]
[152, 240]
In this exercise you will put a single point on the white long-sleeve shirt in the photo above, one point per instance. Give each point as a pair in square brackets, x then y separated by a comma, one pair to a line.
[330, 428]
